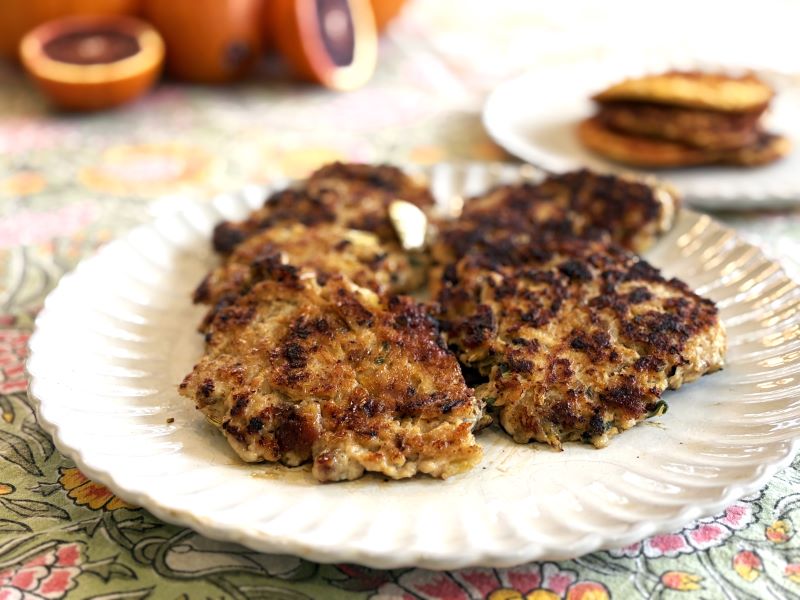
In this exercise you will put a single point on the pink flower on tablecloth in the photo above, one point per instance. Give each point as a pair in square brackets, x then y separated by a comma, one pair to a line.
[747, 565]
[792, 572]
[535, 581]
[22, 134]
[13, 352]
[702, 534]
[47, 576]
[681, 581]
[34, 227]
[779, 532]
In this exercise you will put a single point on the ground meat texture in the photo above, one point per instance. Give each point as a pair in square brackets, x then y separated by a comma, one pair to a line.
[327, 248]
[584, 342]
[298, 371]
[632, 213]
[702, 128]
[354, 196]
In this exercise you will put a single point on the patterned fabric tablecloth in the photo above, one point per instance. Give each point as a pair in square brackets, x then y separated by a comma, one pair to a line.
[69, 183]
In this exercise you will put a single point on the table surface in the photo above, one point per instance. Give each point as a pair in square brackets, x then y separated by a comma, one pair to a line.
[69, 183]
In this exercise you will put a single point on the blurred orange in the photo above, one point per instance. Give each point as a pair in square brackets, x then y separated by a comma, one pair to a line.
[385, 11]
[208, 41]
[267, 33]
[93, 86]
[20, 16]
[332, 42]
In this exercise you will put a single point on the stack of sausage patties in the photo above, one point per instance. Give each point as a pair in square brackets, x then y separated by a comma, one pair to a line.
[679, 119]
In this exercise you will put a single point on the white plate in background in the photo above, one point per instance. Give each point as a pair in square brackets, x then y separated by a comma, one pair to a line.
[534, 117]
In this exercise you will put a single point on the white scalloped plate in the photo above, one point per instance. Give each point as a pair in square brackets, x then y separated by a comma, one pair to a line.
[118, 334]
[534, 117]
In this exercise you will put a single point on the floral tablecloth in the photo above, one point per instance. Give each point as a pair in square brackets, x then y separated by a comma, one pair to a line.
[69, 183]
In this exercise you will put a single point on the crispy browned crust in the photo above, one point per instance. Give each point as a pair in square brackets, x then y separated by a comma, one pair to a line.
[701, 128]
[654, 153]
[355, 196]
[578, 338]
[296, 371]
[631, 212]
[328, 249]
[693, 89]
[768, 148]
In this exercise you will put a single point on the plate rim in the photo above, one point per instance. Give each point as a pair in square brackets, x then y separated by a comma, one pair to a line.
[589, 542]
[729, 198]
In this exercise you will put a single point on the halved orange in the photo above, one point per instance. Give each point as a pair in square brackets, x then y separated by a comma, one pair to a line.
[20, 16]
[93, 62]
[332, 42]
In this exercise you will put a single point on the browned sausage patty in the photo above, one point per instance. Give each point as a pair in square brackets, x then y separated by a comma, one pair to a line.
[701, 128]
[329, 249]
[693, 89]
[649, 152]
[295, 371]
[631, 212]
[578, 338]
[354, 196]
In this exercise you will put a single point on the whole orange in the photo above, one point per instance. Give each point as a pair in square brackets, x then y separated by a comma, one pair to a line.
[208, 41]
